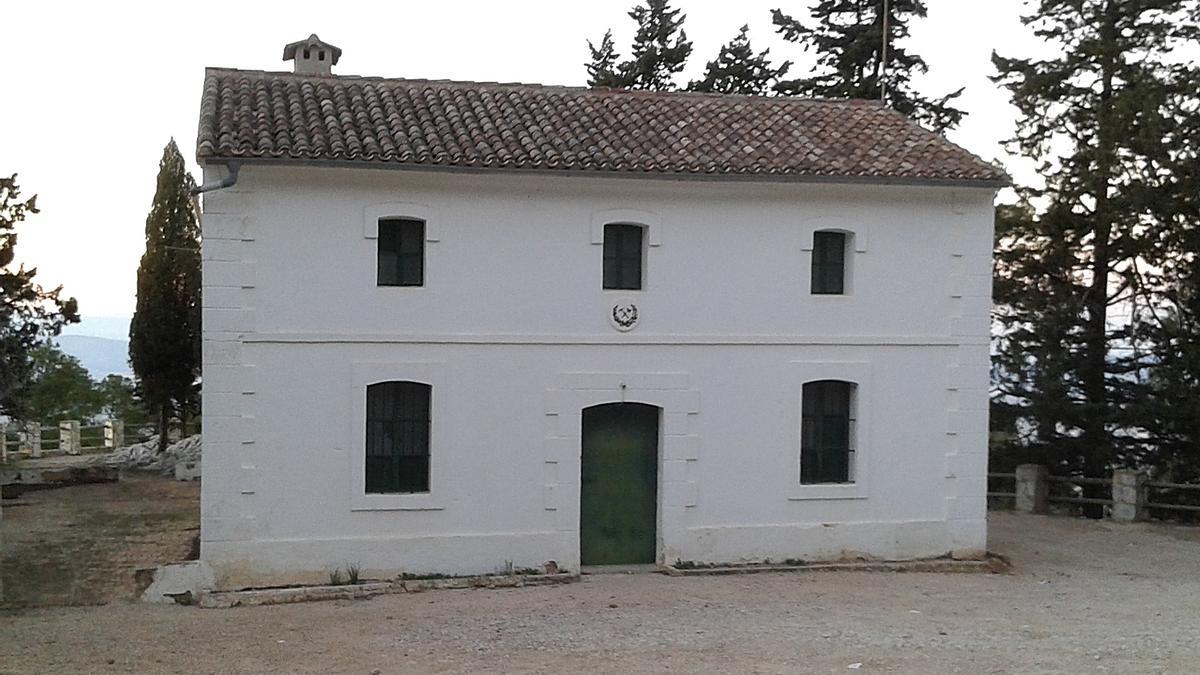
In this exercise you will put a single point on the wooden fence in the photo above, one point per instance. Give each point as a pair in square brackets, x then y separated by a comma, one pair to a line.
[1131, 495]
[68, 438]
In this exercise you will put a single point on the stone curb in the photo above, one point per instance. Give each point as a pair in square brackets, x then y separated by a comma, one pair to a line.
[280, 596]
[994, 565]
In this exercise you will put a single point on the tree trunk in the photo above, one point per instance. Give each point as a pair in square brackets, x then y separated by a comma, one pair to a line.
[184, 418]
[1099, 450]
[164, 417]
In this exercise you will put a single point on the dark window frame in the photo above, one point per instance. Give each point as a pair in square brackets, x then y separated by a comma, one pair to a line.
[400, 252]
[397, 441]
[827, 432]
[829, 256]
[624, 257]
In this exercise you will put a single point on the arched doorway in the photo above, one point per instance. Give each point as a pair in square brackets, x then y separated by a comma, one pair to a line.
[618, 513]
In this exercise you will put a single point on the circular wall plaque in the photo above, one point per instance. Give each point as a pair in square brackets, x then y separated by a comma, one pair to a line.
[624, 316]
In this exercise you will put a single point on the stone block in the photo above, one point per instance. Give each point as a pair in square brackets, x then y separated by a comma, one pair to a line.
[1033, 488]
[1129, 496]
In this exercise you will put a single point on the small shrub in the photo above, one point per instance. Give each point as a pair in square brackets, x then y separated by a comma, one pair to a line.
[423, 577]
[352, 573]
[336, 578]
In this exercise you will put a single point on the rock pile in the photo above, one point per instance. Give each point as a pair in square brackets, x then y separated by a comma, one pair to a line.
[145, 456]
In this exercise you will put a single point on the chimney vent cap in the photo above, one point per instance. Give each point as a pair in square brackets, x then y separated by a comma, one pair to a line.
[312, 56]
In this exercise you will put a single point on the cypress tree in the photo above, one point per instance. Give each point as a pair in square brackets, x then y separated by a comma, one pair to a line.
[29, 314]
[164, 336]
[1105, 119]
[738, 70]
[847, 38]
[659, 52]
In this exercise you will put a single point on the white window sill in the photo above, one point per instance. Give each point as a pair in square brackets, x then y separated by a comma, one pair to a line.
[828, 492]
[396, 502]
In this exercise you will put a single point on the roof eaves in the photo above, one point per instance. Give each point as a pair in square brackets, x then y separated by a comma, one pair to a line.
[909, 181]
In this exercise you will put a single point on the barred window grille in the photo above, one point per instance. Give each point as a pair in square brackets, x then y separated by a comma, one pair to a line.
[401, 260]
[829, 263]
[397, 437]
[623, 256]
[827, 432]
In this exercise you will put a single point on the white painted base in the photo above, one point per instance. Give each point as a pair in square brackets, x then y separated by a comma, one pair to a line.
[243, 564]
[246, 564]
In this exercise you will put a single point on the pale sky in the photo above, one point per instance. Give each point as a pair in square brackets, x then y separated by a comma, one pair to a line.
[93, 90]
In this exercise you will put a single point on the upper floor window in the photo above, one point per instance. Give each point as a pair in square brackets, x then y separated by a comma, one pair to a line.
[397, 437]
[827, 432]
[623, 256]
[401, 259]
[829, 263]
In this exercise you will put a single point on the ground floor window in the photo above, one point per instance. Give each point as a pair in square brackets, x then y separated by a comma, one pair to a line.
[397, 437]
[827, 432]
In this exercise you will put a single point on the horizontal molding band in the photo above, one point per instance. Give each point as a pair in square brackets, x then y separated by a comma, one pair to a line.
[625, 339]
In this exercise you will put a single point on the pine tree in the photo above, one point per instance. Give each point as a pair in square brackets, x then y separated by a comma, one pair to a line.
[1171, 401]
[603, 70]
[847, 37]
[1104, 119]
[738, 70]
[164, 336]
[29, 315]
[659, 52]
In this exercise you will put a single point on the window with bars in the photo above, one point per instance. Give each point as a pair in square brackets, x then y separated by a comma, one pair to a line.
[623, 256]
[401, 259]
[827, 432]
[397, 437]
[829, 263]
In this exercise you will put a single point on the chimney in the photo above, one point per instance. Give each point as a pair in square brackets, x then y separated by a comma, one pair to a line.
[312, 56]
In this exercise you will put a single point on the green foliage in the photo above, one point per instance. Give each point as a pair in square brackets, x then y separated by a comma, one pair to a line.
[61, 389]
[29, 314]
[164, 336]
[847, 37]
[1172, 396]
[120, 400]
[738, 70]
[1111, 120]
[659, 52]
[603, 69]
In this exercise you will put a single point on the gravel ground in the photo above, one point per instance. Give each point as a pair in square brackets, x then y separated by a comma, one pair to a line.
[1083, 597]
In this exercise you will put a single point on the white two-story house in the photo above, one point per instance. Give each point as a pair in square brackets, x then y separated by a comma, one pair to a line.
[453, 326]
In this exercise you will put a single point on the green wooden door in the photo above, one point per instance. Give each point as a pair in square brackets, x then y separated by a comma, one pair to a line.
[619, 485]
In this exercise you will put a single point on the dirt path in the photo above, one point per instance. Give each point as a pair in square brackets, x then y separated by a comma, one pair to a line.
[80, 545]
[1084, 597]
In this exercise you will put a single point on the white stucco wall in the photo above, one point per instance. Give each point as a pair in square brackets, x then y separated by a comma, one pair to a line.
[512, 330]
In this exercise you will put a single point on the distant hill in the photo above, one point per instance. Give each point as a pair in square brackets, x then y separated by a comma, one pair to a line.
[101, 356]
[111, 327]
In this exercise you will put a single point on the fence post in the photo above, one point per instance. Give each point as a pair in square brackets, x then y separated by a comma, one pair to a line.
[33, 439]
[1129, 495]
[114, 434]
[1033, 490]
[69, 440]
[3, 442]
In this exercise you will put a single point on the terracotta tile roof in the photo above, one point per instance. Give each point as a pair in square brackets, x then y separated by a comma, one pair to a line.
[254, 115]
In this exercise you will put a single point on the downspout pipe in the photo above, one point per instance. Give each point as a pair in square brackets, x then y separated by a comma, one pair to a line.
[229, 180]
